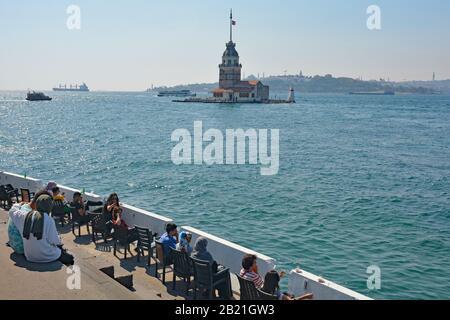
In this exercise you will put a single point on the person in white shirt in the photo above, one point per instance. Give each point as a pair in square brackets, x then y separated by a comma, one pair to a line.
[15, 213]
[41, 240]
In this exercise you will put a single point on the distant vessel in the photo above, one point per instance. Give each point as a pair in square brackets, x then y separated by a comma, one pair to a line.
[37, 96]
[375, 93]
[176, 93]
[77, 88]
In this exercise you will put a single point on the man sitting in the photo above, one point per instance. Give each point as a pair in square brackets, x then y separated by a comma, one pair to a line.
[250, 270]
[169, 239]
[57, 195]
[78, 204]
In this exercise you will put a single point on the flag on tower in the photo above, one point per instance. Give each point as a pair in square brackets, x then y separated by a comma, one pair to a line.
[233, 22]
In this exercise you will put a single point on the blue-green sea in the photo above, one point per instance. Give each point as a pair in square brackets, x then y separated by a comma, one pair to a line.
[363, 180]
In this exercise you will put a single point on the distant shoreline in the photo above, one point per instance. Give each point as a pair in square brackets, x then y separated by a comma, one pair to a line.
[329, 84]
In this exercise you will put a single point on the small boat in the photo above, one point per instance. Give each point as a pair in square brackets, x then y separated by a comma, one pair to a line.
[176, 93]
[37, 96]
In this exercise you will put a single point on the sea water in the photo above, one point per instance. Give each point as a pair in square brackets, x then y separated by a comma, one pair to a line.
[363, 180]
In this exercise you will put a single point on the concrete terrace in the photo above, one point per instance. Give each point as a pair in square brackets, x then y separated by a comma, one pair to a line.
[91, 258]
[24, 280]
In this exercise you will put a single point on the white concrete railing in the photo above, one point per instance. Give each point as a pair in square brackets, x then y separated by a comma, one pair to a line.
[68, 194]
[302, 282]
[230, 254]
[18, 181]
[131, 215]
[223, 251]
[137, 217]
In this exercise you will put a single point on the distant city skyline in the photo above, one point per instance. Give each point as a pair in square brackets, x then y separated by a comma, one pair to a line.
[130, 45]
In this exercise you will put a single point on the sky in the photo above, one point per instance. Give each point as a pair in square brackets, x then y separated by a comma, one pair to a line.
[130, 45]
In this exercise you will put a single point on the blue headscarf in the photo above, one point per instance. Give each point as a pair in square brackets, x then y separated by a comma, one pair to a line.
[184, 244]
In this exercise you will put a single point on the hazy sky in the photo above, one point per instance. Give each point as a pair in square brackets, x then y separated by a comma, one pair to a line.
[129, 45]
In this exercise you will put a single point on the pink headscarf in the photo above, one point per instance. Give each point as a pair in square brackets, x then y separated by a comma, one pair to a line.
[50, 186]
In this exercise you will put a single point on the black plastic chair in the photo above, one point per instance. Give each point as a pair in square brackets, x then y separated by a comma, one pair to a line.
[5, 197]
[145, 243]
[99, 226]
[248, 289]
[59, 211]
[266, 296]
[161, 259]
[205, 278]
[89, 204]
[121, 237]
[79, 221]
[26, 195]
[13, 191]
[182, 268]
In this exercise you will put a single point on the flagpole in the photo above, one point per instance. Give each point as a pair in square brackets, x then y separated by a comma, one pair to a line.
[231, 25]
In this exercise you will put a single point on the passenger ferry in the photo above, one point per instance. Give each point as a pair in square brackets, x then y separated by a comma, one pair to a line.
[37, 96]
[176, 93]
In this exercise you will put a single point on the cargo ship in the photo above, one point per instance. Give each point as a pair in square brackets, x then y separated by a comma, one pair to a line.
[77, 88]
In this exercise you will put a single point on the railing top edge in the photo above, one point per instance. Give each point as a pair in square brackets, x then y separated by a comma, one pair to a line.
[229, 243]
[130, 207]
[329, 284]
[19, 176]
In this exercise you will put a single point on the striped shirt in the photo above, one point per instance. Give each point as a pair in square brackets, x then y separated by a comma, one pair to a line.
[252, 276]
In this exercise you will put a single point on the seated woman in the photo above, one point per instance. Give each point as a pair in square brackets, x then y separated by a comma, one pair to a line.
[20, 209]
[185, 243]
[108, 209]
[50, 186]
[112, 203]
[41, 241]
[272, 286]
[201, 253]
[119, 223]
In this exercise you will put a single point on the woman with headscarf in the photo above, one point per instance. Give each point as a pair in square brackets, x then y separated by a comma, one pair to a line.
[201, 253]
[50, 186]
[41, 240]
[185, 243]
[20, 209]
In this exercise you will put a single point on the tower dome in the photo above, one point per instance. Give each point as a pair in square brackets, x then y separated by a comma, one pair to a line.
[230, 51]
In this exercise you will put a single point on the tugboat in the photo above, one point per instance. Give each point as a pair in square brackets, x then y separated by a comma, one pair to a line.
[37, 96]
